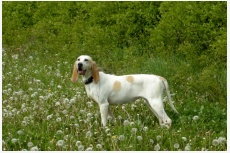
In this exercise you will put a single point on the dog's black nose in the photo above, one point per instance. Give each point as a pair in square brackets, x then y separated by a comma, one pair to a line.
[79, 66]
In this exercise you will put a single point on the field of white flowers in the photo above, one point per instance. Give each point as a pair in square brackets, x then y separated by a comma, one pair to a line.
[43, 110]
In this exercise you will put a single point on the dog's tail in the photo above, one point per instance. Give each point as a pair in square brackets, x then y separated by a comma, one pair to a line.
[168, 94]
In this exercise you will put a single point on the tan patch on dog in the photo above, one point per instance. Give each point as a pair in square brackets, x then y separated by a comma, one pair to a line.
[130, 78]
[117, 86]
[162, 78]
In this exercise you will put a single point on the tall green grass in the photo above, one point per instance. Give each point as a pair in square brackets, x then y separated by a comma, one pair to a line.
[43, 110]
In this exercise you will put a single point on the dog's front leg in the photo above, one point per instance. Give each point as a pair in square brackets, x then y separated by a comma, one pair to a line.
[104, 113]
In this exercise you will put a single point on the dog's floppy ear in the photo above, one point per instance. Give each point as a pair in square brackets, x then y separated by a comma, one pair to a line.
[75, 74]
[95, 72]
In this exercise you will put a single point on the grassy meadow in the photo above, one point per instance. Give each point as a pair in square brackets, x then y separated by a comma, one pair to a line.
[43, 110]
[185, 42]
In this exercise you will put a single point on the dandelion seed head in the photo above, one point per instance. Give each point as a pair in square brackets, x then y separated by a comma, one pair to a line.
[20, 132]
[57, 104]
[82, 111]
[65, 112]
[187, 147]
[176, 145]
[49, 117]
[59, 132]
[151, 141]
[78, 143]
[30, 144]
[89, 134]
[58, 119]
[215, 142]
[66, 100]
[89, 115]
[35, 148]
[72, 101]
[126, 123]
[184, 139]
[60, 143]
[195, 118]
[14, 140]
[89, 149]
[204, 149]
[131, 123]
[81, 147]
[99, 146]
[134, 130]
[121, 137]
[66, 137]
[158, 137]
[145, 129]
[107, 130]
[222, 140]
[139, 138]
[157, 147]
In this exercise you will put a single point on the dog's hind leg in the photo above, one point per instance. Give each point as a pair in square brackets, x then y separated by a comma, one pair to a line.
[157, 107]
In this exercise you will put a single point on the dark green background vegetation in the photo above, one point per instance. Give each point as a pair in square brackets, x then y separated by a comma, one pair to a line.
[189, 39]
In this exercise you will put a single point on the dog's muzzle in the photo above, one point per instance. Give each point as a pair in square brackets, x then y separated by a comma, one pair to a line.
[81, 71]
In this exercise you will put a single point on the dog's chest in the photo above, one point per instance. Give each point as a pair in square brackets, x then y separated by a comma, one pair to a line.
[92, 92]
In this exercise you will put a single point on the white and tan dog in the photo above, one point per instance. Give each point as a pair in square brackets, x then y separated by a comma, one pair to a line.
[106, 89]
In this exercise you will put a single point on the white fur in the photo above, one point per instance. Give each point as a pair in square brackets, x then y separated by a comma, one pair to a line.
[112, 90]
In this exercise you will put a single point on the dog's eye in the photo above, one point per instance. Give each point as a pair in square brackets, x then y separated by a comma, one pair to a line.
[86, 60]
[78, 59]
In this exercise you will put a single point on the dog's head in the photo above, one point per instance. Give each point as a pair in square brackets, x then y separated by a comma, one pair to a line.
[85, 65]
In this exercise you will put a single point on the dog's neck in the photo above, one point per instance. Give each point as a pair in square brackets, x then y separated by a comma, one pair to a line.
[87, 78]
